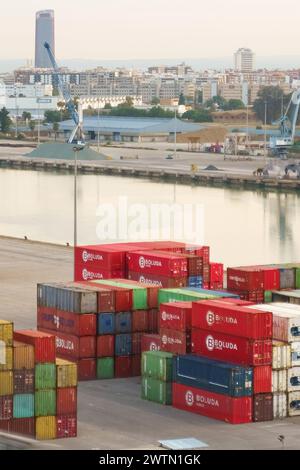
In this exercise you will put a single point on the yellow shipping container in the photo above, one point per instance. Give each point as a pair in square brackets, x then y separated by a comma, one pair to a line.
[23, 356]
[66, 373]
[6, 383]
[6, 332]
[6, 362]
[45, 427]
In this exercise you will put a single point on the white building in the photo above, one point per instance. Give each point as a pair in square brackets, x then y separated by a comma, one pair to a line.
[244, 60]
[28, 91]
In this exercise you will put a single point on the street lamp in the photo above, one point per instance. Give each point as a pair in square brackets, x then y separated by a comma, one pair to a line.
[98, 137]
[175, 135]
[76, 149]
[265, 135]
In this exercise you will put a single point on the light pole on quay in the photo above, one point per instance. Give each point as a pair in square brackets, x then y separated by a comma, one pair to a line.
[76, 149]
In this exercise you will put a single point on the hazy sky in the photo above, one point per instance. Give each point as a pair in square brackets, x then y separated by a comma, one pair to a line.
[128, 29]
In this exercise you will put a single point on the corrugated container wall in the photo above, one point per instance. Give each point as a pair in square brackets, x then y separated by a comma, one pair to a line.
[279, 405]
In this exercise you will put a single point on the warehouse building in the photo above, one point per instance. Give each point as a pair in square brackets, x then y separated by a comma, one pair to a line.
[130, 129]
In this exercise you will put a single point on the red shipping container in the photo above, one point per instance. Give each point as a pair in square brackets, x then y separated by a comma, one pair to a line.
[213, 405]
[271, 278]
[25, 426]
[67, 322]
[262, 379]
[87, 369]
[5, 425]
[169, 265]
[82, 273]
[100, 256]
[139, 320]
[176, 342]
[150, 343]
[228, 348]
[44, 344]
[66, 426]
[216, 272]
[152, 291]
[136, 365]
[122, 366]
[156, 280]
[105, 346]
[123, 297]
[6, 407]
[66, 401]
[176, 316]
[245, 279]
[230, 300]
[198, 250]
[216, 286]
[136, 340]
[231, 319]
[105, 297]
[71, 346]
[153, 320]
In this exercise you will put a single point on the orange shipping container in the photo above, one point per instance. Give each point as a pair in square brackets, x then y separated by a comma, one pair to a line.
[23, 356]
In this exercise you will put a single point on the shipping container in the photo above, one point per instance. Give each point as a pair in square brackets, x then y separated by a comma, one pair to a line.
[106, 323]
[271, 278]
[152, 291]
[6, 383]
[99, 256]
[87, 368]
[214, 376]
[105, 346]
[106, 301]
[157, 280]
[74, 347]
[122, 367]
[6, 407]
[157, 391]
[67, 297]
[286, 296]
[66, 426]
[44, 344]
[123, 322]
[45, 428]
[66, 322]
[6, 358]
[66, 373]
[287, 278]
[279, 380]
[297, 278]
[295, 353]
[158, 365]
[45, 402]
[105, 368]
[224, 347]
[263, 407]
[212, 405]
[153, 320]
[139, 321]
[23, 380]
[139, 294]
[216, 273]
[23, 405]
[231, 319]
[123, 345]
[286, 320]
[279, 405]
[245, 279]
[281, 355]
[24, 426]
[183, 295]
[66, 401]
[262, 379]
[293, 403]
[169, 265]
[23, 356]
[45, 376]
[150, 342]
[174, 341]
[136, 339]
[123, 296]
[136, 364]
[83, 273]
[195, 281]
[6, 332]
[293, 379]
[176, 316]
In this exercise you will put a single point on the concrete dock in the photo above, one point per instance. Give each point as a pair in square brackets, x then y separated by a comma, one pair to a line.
[111, 413]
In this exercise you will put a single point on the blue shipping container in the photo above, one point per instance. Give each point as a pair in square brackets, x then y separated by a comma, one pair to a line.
[106, 324]
[23, 405]
[214, 376]
[123, 322]
[195, 281]
[220, 293]
[123, 345]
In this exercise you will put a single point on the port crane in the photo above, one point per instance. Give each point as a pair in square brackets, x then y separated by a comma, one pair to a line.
[77, 116]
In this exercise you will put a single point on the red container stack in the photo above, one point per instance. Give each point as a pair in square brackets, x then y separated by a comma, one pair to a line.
[175, 327]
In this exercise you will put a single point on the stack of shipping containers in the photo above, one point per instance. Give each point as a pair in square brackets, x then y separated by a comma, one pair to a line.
[157, 376]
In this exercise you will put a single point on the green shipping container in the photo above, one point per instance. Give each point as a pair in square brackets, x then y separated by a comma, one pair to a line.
[158, 365]
[23, 405]
[45, 403]
[157, 391]
[139, 294]
[181, 295]
[45, 376]
[297, 278]
[268, 296]
[105, 368]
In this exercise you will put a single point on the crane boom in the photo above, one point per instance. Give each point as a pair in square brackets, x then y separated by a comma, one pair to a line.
[77, 118]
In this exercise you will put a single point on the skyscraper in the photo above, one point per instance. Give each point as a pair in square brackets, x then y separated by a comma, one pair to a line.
[244, 60]
[44, 31]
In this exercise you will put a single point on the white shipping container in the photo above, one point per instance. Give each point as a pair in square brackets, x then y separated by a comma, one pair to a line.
[279, 380]
[294, 379]
[295, 353]
[294, 403]
[286, 320]
[281, 355]
[279, 405]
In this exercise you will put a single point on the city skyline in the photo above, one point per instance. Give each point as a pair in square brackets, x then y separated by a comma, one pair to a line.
[174, 32]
